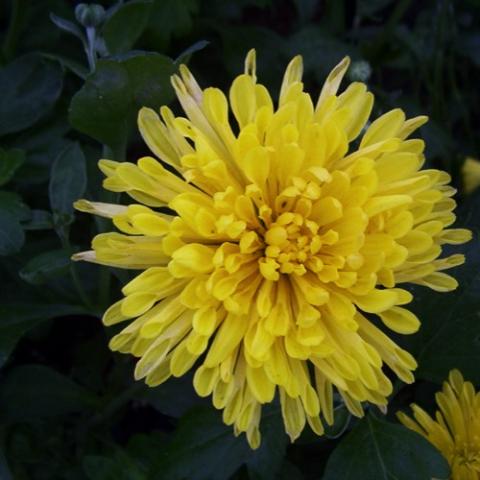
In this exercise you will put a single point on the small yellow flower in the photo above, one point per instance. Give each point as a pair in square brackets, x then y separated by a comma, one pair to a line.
[281, 238]
[471, 174]
[456, 428]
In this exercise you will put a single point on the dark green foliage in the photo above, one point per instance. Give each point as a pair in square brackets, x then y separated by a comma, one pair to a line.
[69, 408]
[125, 25]
[30, 86]
[30, 392]
[381, 450]
[68, 180]
[12, 212]
[106, 106]
[202, 438]
[450, 334]
[18, 318]
[9, 162]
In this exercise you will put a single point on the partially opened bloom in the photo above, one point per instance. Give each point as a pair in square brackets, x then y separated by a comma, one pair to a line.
[455, 431]
[471, 174]
[281, 239]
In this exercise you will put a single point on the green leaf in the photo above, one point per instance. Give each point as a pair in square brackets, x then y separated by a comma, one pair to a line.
[18, 318]
[199, 442]
[180, 21]
[145, 448]
[10, 160]
[202, 439]
[35, 391]
[450, 335]
[68, 181]
[379, 450]
[12, 212]
[12, 237]
[42, 145]
[74, 66]
[107, 105]
[45, 266]
[175, 397]
[138, 461]
[13, 204]
[121, 467]
[341, 422]
[30, 86]
[265, 462]
[39, 220]
[125, 26]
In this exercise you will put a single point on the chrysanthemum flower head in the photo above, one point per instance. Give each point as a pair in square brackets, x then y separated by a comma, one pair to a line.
[455, 431]
[280, 242]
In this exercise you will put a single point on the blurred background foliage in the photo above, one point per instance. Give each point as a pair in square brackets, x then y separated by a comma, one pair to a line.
[70, 89]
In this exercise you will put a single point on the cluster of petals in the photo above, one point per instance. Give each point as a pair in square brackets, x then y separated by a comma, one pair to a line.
[455, 430]
[273, 246]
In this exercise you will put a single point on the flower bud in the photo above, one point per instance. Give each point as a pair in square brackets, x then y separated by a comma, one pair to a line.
[89, 15]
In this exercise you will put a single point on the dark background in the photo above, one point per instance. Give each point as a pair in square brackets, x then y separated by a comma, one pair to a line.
[69, 408]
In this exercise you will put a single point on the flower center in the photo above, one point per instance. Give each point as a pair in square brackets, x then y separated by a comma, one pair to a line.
[468, 454]
[292, 242]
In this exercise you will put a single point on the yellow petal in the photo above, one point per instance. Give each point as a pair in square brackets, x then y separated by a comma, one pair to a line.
[441, 282]
[242, 99]
[384, 128]
[293, 415]
[138, 303]
[191, 259]
[333, 81]
[377, 301]
[182, 360]
[260, 385]
[227, 338]
[293, 74]
[377, 205]
[400, 320]
[205, 379]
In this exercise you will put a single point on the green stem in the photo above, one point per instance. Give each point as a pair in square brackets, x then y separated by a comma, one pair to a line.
[110, 409]
[90, 48]
[400, 8]
[14, 29]
[337, 16]
[75, 277]
[119, 401]
[105, 281]
[79, 287]
[116, 404]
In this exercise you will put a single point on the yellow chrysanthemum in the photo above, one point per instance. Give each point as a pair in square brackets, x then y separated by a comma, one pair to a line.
[280, 240]
[471, 175]
[456, 428]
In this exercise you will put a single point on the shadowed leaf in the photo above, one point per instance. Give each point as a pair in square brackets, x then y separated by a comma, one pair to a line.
[30, 86]
[379, 450]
